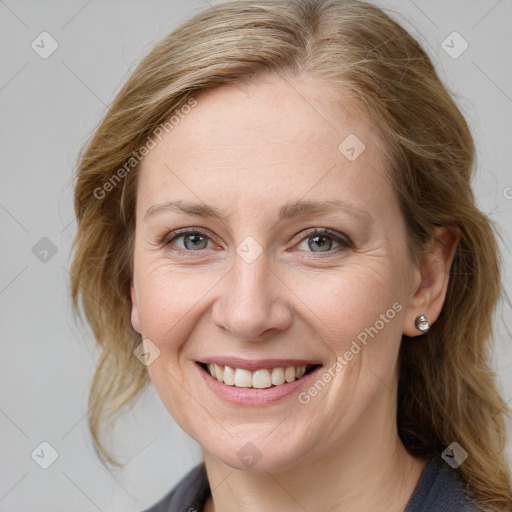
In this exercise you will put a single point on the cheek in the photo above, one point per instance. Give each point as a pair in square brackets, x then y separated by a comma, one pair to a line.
[360, 303]
[167, 299]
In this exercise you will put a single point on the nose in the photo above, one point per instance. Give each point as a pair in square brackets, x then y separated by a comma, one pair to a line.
[252, 301]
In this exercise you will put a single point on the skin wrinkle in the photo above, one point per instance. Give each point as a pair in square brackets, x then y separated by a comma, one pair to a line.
[282, 303]
[247, 154]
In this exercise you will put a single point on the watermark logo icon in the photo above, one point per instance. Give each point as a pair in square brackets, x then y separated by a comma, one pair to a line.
[44, 455]
[44, 250]
[351, 147]
[147, 352]
[454, 45]
[249, 455]
[249, 250]
[454, 455]
[44, 45]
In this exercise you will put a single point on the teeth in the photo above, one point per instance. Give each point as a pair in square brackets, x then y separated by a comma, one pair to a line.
[229, 376]
[243, 378]
[289, 374]
[277, 376]
[219, 372]
[300, 371]
[259, 379]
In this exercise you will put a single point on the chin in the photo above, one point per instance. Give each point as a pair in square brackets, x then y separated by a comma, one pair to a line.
[260, 454]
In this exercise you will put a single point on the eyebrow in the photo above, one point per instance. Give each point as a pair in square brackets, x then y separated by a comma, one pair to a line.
[289, 211]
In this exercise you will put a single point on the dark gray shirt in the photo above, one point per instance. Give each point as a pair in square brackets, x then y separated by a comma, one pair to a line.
[438, 490]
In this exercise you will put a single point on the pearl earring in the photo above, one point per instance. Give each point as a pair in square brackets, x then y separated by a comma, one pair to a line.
[422, 323]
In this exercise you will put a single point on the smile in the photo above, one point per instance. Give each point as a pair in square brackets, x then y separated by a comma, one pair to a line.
[256, 383]
[258, 379]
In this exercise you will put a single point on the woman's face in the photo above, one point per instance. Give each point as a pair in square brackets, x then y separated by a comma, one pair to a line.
[243, 280]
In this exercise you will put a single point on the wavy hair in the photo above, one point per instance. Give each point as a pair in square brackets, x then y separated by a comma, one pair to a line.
[447, 391]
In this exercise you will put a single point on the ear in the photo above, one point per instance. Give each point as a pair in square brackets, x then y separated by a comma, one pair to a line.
[135, 318]
[432, 277]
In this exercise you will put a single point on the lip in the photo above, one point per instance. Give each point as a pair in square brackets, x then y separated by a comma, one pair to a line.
[256, 364]
[256, 397]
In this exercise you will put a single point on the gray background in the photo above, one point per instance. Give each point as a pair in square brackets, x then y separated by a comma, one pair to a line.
[49, 107]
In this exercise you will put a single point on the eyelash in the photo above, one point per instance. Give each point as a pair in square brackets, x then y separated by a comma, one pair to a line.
[345, 242]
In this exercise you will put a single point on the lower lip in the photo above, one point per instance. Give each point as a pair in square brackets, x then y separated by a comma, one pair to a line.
[252, 396]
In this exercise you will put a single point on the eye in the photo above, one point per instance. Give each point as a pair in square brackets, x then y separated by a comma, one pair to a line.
[192, 240]
[321, 240]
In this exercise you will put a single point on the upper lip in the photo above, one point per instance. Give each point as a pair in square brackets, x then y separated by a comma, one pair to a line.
[257, 364]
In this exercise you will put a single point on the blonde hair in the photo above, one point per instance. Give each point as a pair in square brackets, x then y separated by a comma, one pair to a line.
[447, 391]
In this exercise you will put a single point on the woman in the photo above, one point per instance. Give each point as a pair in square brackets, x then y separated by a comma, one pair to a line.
[276, 228]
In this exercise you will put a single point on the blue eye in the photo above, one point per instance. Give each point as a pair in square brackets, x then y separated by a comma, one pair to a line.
[322, 240]
[192, 240]
[318, 238]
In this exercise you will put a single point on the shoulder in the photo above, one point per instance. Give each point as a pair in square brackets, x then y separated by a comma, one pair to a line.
[190, 493]
[439, 490]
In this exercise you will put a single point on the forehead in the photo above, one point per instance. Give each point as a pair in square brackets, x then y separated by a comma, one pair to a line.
[275, 138]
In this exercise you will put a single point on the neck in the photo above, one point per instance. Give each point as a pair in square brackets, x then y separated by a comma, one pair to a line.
[368, 470]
